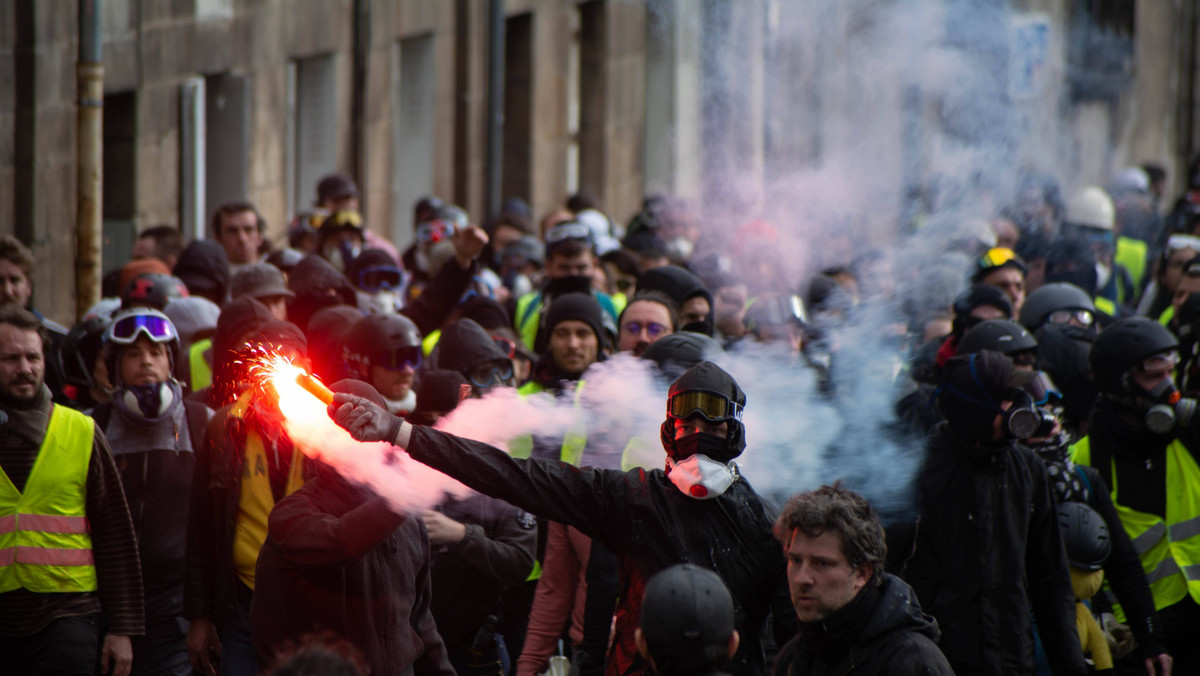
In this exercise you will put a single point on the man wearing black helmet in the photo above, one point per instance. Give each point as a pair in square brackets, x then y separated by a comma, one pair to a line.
[1063, 318]
[699, 509]
[987, 555]
[1142, 442]
[385, 351]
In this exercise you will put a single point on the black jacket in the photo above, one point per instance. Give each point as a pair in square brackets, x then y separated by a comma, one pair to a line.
[470, 576]
[885, 634]
[338, 559]
[648, 523]
[987, 551]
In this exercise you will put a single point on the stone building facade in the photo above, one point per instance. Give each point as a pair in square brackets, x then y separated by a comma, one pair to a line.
[745, 106]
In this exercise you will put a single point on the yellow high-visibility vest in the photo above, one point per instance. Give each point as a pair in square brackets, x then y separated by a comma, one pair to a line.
[45, 540]
[199, 371]
[1169, 548]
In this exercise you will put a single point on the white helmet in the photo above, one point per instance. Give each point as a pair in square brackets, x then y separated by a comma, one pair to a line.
[1091, 208]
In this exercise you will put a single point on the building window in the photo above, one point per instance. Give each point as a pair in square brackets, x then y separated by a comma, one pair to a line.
[119, 189]
[1100, 48]
[412, 131]
[312, 142]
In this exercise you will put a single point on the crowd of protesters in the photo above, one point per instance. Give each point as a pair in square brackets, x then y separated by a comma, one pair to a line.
[156, 516]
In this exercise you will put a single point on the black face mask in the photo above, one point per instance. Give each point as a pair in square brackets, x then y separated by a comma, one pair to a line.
[704, 326]
[709, 445]
[559, 286]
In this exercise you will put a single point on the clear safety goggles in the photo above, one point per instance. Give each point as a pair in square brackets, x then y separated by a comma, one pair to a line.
[1180, 242]
[1163, 361]
[1084, 317]
[126, 329]
[711, 406]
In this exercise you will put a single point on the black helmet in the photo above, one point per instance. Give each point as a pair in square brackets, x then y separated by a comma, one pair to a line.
[79, 350]
[1085, 535]
[999, 335]
[1122, 346]
[708, 391]
[388, 340]
[974, 296]
[152, 289]
[1051, 298]
[679, 351]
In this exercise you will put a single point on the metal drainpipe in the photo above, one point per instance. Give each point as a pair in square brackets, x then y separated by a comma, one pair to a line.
[89, 153]
[362, 46]
[495, 107]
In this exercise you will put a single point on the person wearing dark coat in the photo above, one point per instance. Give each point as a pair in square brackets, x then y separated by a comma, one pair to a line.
[988, 556]
[854, 618]
[700, 510]
[340, 559]
[204, 268]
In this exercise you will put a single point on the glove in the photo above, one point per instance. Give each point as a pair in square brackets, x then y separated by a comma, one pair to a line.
[364, 419]
[1119, 637]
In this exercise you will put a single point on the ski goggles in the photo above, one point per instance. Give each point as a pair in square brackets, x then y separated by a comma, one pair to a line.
[491, 373]
[1080, 315]
[999, 257]
[1180, 242]
[1042, 390]
[432, 232]
[711, 406]
[396, 358]
[379, 277]
[569, 230]
[126, 329]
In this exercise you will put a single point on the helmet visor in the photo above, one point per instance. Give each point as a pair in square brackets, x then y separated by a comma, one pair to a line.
[126, 329]
[711, 406]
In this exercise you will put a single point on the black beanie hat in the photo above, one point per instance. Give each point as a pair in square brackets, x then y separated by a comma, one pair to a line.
[487, 312]
[579, 306]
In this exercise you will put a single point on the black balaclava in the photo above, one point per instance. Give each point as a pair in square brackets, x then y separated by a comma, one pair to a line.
[971, 394]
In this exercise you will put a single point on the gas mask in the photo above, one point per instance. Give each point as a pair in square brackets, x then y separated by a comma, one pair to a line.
[151, 401]
[1168, 409]
[1024, 420]
[385, 302]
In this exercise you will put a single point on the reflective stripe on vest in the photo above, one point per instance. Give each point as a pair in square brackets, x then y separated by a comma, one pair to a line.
[574, 439]
[199, 372]
[529, 307]
[429, 342]
[1105, 305]
[1167, 315]
[45, 541]
[1169, 549]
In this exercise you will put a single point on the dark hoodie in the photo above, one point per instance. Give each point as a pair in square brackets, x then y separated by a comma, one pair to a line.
[317, 285]
[681, 286]
[881, 631]
[204, 268]
[464, 345]
[325, 332]
[239, 319]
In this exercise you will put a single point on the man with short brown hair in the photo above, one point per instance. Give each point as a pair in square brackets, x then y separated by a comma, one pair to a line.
[16, 286]
[67, 547]
[852, 614]
[238, 227]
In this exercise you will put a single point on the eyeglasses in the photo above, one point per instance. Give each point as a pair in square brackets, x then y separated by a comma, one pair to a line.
[491, 373]
[654, 329]
[506, 345]
[126, 329]
[378, 277]
[1163, 361]
[569, 230]
[397, 358]
[997, 257]
[1085, 317]
[711, 406]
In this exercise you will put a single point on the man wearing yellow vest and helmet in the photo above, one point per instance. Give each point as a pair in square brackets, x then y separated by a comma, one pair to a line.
[1091, 216]
[1142, 441]
[68, 555]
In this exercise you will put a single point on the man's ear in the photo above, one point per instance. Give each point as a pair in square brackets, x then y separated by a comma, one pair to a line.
[863, 574]
[642, 647]
[735, 639]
